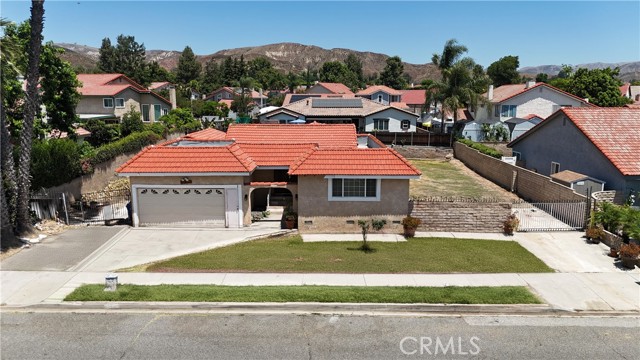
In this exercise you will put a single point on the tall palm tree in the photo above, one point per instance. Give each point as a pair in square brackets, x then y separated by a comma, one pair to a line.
[32, 104]
[451, 54]
[9, 50]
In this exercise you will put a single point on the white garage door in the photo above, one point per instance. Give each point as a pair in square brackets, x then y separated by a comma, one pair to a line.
[181, 206]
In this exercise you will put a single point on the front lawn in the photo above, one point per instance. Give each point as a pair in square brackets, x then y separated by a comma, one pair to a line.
[419, 255]
[344, 294]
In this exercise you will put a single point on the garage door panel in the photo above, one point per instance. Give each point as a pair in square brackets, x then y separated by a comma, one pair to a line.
[182, 206]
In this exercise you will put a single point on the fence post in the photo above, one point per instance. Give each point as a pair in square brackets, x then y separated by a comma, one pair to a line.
[64, 205]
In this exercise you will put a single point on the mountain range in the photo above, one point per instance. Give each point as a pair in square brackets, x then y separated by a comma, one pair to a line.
[299, 57]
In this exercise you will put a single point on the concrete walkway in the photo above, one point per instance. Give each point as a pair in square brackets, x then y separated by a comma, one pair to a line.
[586, 280]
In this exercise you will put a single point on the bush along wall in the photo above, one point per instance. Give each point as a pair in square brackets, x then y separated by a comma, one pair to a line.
[482, 148]
[130, 143]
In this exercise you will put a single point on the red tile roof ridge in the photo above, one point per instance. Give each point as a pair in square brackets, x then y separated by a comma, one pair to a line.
[403, 159]
[305, 155]
[246, 161]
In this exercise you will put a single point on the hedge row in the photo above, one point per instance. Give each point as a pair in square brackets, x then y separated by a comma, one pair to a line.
[133, 142]
[482, 148]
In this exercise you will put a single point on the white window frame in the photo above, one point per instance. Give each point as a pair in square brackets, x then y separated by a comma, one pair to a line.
[405, 124]
[496, 111]
[148, 112]
[517, 155]
[555, 167]
[384, 121]
[164, 111]
[119, 106]
[508, 110]
[104, 103]
[330, 196]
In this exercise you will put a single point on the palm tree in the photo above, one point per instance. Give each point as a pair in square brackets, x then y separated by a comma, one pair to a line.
[32, 104]
[451, 54]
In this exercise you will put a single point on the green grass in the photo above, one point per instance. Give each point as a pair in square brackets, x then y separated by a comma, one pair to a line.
[346, 294]
[444, 179]
[418, 255]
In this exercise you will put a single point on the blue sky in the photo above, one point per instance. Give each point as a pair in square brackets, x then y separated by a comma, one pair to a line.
[539, 32]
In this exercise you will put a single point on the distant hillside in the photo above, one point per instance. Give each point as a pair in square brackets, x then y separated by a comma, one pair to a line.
[628, 70]
[284, 56]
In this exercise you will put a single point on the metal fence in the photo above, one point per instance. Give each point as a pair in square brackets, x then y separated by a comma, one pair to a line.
[551, 216]
[411, 139]
[93, 207]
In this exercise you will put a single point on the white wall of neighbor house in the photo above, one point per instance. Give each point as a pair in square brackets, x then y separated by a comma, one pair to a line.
[279, 117]
[130, 98]
[395, 120]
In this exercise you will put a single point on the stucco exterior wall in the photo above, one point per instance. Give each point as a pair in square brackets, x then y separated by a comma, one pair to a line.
[560, 141]
[195, 180]
[280, 116]
[94, 104]
[317, 214]
[394, 125]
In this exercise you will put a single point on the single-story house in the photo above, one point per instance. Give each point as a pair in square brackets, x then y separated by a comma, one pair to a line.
[109, 96]
[332, 177]
[602, 143]
[366, 115]
[580, 183]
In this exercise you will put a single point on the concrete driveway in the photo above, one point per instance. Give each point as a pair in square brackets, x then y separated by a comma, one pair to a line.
[137, 246]
[63, 251]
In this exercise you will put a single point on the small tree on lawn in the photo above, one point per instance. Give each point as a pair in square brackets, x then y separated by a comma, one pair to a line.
[365, 226]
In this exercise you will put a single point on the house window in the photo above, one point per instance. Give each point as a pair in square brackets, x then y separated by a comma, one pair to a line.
[496, 111]
[107, 102]
[508, 111]
[380, 98]
[348, 189]
[164, 112]
[555, 167]
[405, 124]
[145, 112]
[219, 97]
[381, 124]
[119, 103]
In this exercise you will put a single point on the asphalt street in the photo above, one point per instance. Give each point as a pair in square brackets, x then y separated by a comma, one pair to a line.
[122, 335]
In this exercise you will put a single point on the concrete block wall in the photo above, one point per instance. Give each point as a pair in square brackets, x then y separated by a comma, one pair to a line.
[525, 183]
[347, 224]
[460, 215]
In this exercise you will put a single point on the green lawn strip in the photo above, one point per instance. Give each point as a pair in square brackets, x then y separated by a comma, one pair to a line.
[419, 255]
[344, 294]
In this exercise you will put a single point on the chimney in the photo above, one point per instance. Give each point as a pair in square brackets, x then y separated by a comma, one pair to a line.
[530, 83]
[490, 93]
[172, 98]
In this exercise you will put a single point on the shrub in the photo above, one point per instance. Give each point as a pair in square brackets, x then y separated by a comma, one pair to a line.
[181, 120]
[54, 162]
[131, 122]
[595, 233]
[482, 148]
[609, 216]
[631, 251]
[510, 225]
[158, 128]
[411, 222]
[101, 133]
[133, 142]
[631, 222]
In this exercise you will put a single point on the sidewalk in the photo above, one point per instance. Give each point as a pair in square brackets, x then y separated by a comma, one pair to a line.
[588, 282]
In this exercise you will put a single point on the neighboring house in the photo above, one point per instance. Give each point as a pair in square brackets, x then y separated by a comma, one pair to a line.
[110, 96]
[80, 133]
[414, 99]
[209, 178]
[366, 115]
[329, 88]
[160, 85]
[580, 183]
[381, 94]
[625, 90]
[602, 143]
[227, 93]
[522, 100]
[634, 91]
[291, 98]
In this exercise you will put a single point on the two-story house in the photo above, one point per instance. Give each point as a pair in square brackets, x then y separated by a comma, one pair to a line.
[109, 96]
[381, 94]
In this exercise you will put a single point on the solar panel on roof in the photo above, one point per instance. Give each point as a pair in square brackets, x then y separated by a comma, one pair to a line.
[336, 103]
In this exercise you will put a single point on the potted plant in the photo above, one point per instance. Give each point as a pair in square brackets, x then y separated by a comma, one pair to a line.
[613, 252]
[510, 225]
[594, 234]
[629, 255]
[290, 218]
[410, 224]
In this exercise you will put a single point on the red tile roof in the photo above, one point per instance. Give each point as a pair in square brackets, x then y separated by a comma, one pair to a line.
[384, 161]
[189, 159]
[157, 84]
[615, 131]
[336, 88]
[276, 154]
[413, 97]
[375, 88]
[207, 134]
[341, 135]
[505, 92]
[106, 85]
